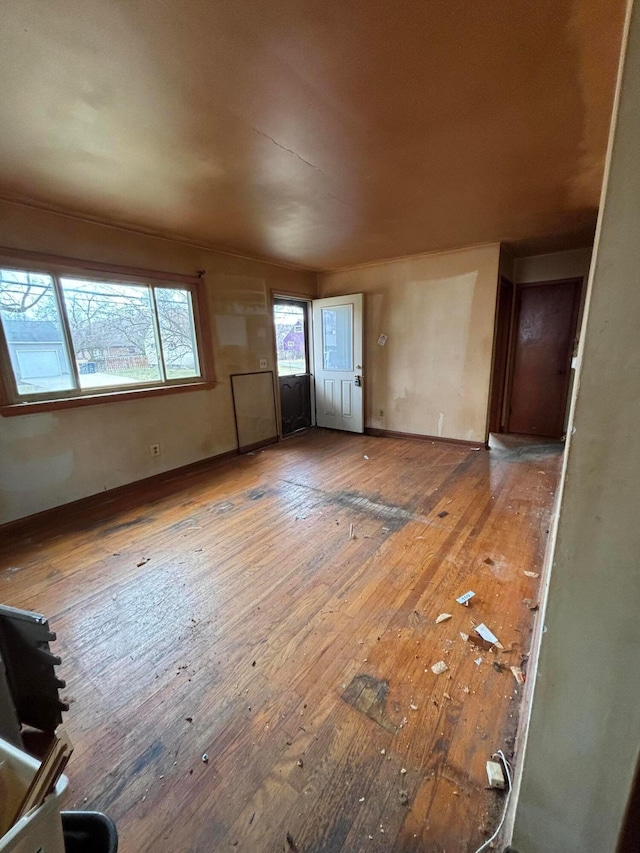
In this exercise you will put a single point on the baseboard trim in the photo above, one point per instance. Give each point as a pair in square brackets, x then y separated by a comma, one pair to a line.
[390, 433]
[72, 508]
[258, 444]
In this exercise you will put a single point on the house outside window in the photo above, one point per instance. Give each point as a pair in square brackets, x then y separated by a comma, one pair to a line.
[67, 335]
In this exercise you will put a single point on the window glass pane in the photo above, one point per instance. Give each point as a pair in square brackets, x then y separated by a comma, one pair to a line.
[290, 339]
[33, 332]
[337, 337]
[113, 333]
[177, 332]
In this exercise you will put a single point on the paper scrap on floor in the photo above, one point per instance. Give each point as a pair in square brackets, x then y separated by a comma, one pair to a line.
[518, 674]
[489, 636]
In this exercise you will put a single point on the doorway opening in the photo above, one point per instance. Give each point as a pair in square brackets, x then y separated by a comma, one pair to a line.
[535, 341]
[291, 320]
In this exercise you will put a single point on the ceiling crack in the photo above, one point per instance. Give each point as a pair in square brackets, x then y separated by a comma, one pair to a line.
[289, 150]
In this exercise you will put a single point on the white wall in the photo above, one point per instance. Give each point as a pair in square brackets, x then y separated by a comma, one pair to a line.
[52, 458]
[438, 311]
[583, 740]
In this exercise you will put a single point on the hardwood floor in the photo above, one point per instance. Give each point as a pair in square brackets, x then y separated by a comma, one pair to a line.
[230, 613]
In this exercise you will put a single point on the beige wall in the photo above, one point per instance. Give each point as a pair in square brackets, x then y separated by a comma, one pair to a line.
[50, 459]
[552, 266]
[432, 375]
[583, 739]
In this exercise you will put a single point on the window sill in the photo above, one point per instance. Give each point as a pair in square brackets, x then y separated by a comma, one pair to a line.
[29, 408]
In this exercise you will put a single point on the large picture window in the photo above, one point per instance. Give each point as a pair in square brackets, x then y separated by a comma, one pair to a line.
[67, 335]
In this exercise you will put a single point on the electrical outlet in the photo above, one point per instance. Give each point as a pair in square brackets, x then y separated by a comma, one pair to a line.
[263, 364]
[380, 413]
[154, 449]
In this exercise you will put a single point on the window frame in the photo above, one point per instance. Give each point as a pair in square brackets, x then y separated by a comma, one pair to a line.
[13, 403]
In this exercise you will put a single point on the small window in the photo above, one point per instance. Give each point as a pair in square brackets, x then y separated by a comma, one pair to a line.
[337, 331]
[291, 336]
[68, 336]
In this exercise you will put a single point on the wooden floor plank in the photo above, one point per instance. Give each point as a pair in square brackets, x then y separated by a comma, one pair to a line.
[234, 612]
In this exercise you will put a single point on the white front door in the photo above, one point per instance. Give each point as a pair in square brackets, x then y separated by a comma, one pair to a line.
[337, 349]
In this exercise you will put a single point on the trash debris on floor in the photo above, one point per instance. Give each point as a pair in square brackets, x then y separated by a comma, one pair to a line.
[495, 775]
[518, 674]
[443, 618]
[479, 642]
[488, 635]
[466, 598]
[532, 574]
[443, 514]
[439, 668]
[404, 798]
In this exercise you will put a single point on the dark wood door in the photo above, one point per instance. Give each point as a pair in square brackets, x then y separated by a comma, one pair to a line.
[546, 317]
[295, 402]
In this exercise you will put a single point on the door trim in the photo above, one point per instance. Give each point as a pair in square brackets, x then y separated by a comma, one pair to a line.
[503, 325]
